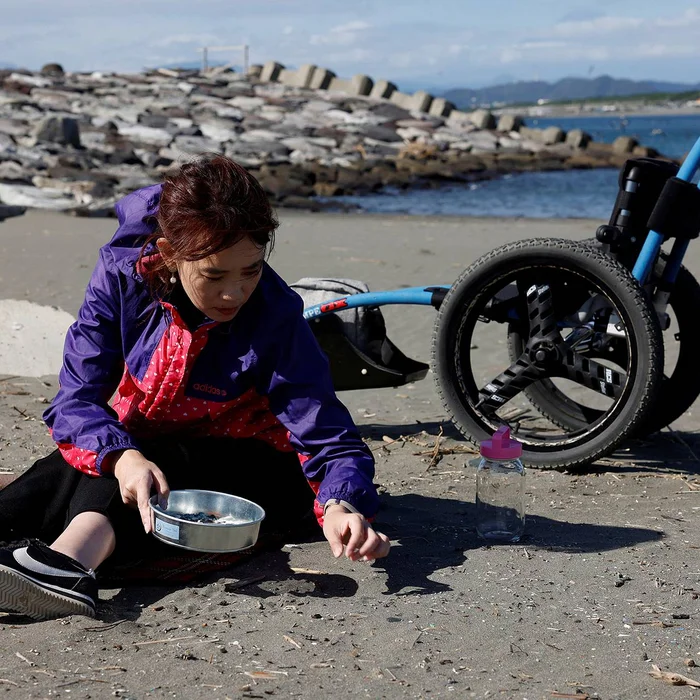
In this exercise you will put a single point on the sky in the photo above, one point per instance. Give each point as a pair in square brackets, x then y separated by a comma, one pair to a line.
[425, 44]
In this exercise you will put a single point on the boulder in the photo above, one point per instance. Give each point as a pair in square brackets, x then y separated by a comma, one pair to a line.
[52, 70]
[12, 172]
[7, 211]
[379, 133]
[391, 112]
[56, 199]
[60, 130]
[7, 143]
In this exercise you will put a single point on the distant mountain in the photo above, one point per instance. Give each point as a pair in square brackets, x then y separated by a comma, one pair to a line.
[565, 89]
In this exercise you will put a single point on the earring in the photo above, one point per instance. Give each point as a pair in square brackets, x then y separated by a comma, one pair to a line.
[173, 279]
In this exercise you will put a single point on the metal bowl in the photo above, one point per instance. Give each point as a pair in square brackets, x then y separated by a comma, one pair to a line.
[241, 533]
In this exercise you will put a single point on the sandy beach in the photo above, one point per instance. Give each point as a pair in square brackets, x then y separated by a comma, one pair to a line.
[604, 586]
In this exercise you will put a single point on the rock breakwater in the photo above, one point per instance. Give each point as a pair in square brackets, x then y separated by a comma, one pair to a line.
[77, 142]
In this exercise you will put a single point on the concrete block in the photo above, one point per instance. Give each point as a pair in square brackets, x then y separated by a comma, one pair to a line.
[509, 122]
[340, 85]
[440, 107]
[305, 74]
[421, 101]
[532, 134]
[457, 116]
[383, 89]
[321, 79]
[552, 135]
[483, 119]
[361, 84]
[287, 76]
[402, 99]
[271, 71]
[577, 138]
[624, 144]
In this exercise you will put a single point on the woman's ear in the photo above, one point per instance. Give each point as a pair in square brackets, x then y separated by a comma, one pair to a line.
[166, 250]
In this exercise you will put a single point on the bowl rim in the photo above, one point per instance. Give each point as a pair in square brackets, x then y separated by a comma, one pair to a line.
[156, 509]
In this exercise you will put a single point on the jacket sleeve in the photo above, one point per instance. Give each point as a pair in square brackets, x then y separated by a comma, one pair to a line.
[336, 462]
[80, 419]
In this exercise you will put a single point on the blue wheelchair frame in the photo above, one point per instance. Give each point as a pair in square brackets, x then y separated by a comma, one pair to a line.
[652, 244]
[424, 296]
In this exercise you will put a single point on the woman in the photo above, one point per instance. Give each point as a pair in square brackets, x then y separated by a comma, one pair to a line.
[190, 366]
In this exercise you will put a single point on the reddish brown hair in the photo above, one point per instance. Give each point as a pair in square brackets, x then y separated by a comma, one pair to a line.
[210, 204]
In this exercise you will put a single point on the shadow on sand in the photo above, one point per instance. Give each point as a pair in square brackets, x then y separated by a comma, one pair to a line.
[436, 533]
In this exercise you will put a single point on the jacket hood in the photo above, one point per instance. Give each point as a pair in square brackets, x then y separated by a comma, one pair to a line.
[136, 214]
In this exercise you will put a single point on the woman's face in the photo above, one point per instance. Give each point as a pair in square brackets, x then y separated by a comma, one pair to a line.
[220, 284]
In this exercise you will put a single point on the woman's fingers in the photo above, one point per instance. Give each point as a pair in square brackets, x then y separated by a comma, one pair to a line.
[143, 493]
[336, 542]
[376, 546]
[353, 532]
[161, 484]
[358, 534]
[369, 544]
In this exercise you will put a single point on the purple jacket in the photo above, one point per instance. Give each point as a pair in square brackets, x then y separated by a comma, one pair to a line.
[261, 375]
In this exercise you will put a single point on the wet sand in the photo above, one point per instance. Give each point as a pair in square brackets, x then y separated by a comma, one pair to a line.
[605, 583]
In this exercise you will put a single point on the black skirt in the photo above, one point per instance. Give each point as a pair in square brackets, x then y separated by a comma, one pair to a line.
[42, 501]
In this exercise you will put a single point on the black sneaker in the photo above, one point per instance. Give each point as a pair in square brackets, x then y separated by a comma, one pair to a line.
[41, 583]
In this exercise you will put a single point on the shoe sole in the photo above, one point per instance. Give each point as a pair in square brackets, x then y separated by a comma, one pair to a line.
[22, 595]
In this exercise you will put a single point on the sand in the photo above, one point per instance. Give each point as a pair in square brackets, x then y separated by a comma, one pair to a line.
[604, 585]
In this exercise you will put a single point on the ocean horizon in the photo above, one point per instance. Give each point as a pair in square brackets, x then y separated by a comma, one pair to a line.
[555, 194]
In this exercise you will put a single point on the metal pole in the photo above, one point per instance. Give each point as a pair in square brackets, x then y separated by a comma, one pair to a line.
[205, 64]
[245, 59]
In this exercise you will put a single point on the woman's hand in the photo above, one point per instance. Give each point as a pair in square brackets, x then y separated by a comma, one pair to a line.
[352, 533]
[136, 476]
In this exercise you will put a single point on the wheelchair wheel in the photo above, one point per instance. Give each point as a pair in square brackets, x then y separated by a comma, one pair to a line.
[680, 384]
[588, 329]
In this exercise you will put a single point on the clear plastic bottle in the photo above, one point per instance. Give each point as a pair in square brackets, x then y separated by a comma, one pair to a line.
[500, 489]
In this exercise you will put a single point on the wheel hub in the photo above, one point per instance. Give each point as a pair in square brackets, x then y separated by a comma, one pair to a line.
[543, 353]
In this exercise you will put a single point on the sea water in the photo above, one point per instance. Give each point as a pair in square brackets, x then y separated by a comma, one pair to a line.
[558, 194]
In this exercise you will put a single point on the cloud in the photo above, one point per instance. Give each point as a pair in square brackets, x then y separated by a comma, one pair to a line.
[403, 59]
[690, 17]
[613, 39]
[581, 13]
[355, 26]
[551, 39]
[358, 56]
[596, 27]
[193, 39]
[342, 34]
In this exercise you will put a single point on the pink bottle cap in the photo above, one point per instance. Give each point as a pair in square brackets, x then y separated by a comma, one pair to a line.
[500, 446]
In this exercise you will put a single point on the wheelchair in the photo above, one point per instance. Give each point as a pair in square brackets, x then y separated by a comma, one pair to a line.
[578, 326]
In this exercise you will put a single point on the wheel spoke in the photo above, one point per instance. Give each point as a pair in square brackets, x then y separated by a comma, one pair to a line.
[508, 384]
[592, 374]
[540, 311]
